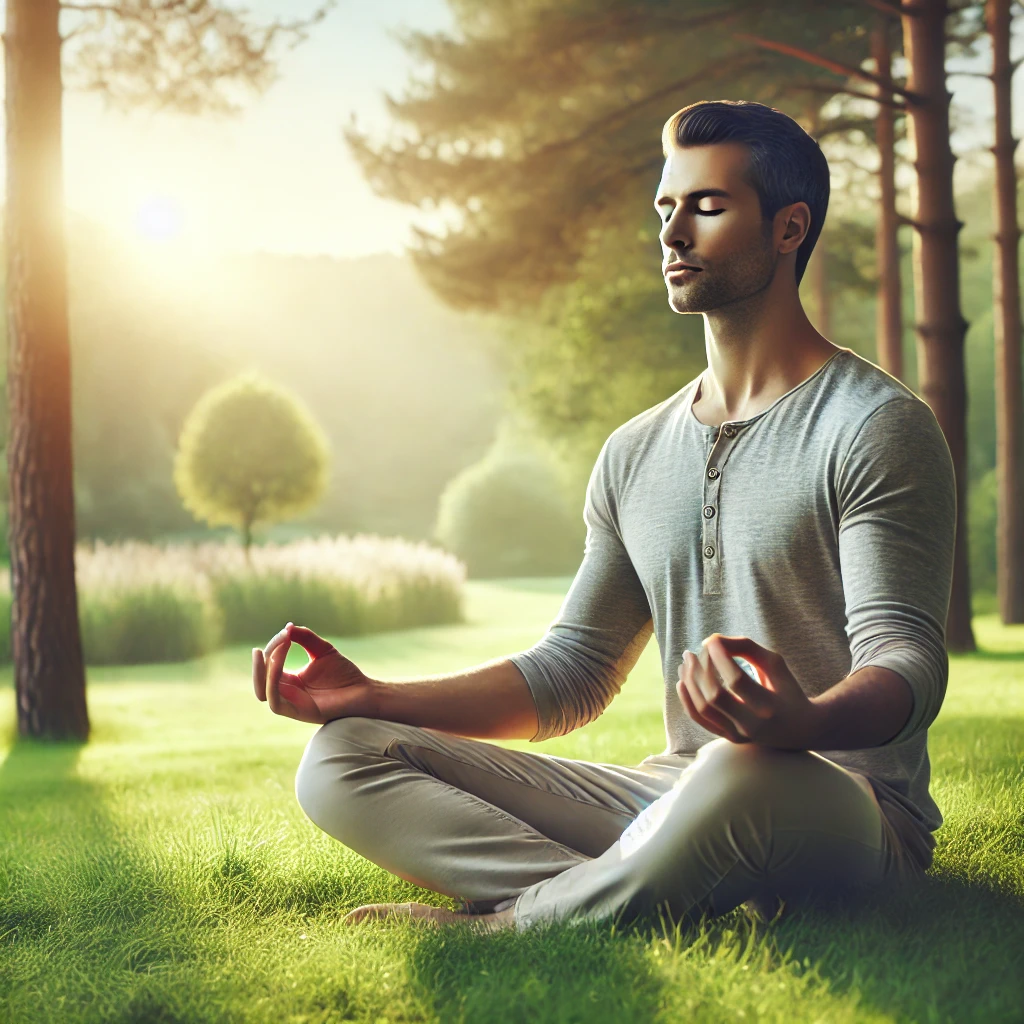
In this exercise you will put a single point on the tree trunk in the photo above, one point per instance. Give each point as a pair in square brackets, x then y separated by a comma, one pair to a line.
[46, 645]
[1007, 321]
[889, 306]
[941, 326]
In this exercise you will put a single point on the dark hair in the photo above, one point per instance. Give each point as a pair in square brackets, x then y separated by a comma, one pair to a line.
[786, 163]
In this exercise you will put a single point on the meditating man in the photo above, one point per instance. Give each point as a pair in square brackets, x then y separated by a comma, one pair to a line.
[794, 506]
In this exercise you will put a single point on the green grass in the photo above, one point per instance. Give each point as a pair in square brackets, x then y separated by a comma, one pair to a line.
[165, 873]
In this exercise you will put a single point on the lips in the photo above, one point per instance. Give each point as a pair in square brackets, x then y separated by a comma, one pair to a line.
[673, 267]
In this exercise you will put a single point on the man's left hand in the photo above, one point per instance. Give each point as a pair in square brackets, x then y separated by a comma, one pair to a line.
[718, 695]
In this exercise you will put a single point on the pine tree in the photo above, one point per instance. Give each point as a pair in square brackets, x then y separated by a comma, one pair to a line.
[189, 55]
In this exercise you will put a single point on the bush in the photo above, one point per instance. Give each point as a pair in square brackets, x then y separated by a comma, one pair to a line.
[250, 453]
[141, 603]
[340, 586]
[506, 515]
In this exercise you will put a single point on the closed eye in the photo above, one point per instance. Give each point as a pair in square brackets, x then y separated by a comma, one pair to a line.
[701, 213]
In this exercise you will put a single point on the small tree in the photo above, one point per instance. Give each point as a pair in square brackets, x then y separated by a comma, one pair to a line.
[250, 452]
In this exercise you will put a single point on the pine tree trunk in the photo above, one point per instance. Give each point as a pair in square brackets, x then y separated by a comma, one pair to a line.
[1007, 321]
[889, 307]
[941, 326]
[46, 645]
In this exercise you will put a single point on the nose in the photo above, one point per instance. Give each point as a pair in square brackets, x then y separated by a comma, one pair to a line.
[675, 234]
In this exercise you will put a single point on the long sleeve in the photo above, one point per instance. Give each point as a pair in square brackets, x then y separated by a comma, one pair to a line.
[896, 496]
[580, 664]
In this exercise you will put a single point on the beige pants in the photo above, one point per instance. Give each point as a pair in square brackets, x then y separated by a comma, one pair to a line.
[561, 839]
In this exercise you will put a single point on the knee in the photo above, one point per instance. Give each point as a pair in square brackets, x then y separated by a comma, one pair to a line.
[320, 778]
[744, 773]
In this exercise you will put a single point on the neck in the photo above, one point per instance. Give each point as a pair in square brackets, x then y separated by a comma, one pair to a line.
[758, 348]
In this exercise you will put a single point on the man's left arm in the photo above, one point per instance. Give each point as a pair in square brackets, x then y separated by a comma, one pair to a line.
[896, 493]
[896, 496]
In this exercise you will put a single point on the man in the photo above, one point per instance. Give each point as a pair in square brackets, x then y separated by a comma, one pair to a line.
[793, 506]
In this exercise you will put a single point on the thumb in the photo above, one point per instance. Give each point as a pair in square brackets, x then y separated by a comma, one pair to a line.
[314, 645]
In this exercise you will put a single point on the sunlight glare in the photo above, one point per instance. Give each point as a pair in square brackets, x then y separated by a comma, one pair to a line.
[159, 218]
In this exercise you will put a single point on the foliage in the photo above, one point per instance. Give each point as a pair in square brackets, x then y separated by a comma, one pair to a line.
[338, 586]
[541, 125]
[248, 453]
[507, 515]
[981, 519]
[167, 874]
[143, 603]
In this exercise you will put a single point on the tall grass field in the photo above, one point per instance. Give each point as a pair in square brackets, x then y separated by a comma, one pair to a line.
[142, 603]
[164, 873]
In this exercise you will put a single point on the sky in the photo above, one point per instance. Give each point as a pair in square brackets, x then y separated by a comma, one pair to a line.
[279, 177]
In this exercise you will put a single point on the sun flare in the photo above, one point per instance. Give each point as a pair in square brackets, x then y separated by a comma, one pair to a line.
[159, 219]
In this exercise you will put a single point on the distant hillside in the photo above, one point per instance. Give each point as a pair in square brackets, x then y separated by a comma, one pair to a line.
[407, 391]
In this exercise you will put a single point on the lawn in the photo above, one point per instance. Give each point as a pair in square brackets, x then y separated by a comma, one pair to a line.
[165, 873]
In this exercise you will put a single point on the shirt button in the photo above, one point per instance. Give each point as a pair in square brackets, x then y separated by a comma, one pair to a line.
[713, 473]
[709, 551]
[729, 431]
[709, 511]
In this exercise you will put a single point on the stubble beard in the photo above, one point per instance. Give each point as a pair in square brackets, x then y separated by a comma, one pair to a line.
[729, 284]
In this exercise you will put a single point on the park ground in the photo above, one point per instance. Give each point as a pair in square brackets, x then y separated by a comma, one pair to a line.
[165, 874]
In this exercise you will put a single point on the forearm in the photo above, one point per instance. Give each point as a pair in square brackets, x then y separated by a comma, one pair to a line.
[489, 701]
[866, 709]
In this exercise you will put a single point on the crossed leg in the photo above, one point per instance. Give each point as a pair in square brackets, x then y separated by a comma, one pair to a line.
[542, 838]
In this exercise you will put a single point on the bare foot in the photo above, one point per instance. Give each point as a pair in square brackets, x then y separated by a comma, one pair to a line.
[432, 916]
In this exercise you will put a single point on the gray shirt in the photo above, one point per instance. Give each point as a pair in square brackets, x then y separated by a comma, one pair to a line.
[822, 528]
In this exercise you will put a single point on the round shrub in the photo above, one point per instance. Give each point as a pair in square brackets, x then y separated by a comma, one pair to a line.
[506, 516]
[250, 453]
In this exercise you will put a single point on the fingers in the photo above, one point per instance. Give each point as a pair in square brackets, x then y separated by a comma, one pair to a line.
[277, 639]
[711, 700]
[314, 645]
[259, 674]
[718, 725]
[275, 666]
[736, 682]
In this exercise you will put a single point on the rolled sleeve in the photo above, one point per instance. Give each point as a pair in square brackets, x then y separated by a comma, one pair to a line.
[896, 493]
[603, 626]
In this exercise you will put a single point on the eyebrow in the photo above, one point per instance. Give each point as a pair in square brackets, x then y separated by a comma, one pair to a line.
[699, 194]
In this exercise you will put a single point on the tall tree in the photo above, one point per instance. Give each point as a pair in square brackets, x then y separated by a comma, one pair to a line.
[889, 307]
[184, 54]
[941, 327]
[1007, 322]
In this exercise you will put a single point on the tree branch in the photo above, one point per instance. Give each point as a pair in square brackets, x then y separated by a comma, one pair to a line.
[886, 101]
[894, 8]
[601, 123]
[828, 64]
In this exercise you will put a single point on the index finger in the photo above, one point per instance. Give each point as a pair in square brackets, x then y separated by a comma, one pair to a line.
[753, 695]
[274, 669]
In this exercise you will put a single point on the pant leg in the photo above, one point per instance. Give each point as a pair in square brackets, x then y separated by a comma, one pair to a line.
[462, 816]
[742, 823]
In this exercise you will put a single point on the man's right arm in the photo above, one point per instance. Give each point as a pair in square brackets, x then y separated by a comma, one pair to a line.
[566, 679]
[560, 684]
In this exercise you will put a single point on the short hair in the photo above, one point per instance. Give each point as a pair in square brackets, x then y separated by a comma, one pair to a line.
[786, 163]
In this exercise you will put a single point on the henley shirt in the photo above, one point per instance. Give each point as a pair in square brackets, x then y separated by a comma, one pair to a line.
[822, 528]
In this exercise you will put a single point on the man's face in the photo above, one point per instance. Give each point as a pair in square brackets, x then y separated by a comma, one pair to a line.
[711, 220]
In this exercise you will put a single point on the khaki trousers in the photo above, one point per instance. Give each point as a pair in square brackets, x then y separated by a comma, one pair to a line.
[563, 839]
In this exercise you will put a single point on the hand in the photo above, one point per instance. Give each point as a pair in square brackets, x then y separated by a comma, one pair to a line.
[328, 686]
[718, 695]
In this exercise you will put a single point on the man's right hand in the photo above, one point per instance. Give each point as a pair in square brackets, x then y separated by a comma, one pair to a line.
[328, 686]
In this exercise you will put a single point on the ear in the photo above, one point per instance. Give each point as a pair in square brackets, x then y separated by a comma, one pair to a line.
[791, 226]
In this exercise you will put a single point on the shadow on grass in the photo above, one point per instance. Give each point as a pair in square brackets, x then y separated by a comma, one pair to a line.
[941, 949]
[567, 974]
[84, 912]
